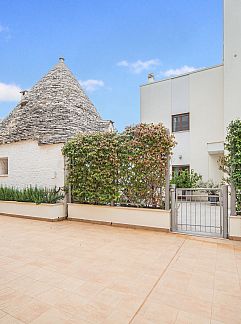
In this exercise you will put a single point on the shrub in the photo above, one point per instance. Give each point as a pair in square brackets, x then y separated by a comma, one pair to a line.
[31, 194]
[126, 169]
[186, 179]
[232, 161]
[210, 184]
[93, 167]
[147, 149]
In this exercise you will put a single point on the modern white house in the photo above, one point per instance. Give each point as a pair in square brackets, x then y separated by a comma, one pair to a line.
[32, 136]
[197, 107]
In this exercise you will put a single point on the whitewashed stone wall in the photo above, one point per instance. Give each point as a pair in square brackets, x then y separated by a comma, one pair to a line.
[33, 164]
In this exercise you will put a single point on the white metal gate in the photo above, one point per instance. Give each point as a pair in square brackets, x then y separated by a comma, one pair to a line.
[200, 211]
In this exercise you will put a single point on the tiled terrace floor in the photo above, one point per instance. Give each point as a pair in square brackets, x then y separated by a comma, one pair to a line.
[70, 272]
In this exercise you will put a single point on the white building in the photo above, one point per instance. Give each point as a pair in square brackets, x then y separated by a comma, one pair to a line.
[199, 106]
[32, 136]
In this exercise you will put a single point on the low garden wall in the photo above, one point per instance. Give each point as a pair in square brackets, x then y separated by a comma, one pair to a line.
[51, 212]
[32, 202]
[235, 228]
[127, 216]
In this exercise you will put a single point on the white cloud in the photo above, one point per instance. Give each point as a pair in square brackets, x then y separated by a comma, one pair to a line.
[182, 70]
[123, 63]
[5, 33]
[139, 65]
[91, 85]
[9, 92]
[3, 29]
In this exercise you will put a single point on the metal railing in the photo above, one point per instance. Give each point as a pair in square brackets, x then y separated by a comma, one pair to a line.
[200, 210]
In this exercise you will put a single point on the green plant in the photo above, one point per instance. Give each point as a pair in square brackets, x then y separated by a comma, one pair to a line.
[210, 185]
[186, 179]
[93, 167]
[148, 148]
[31, 194]
[125, 168]
[231, 163]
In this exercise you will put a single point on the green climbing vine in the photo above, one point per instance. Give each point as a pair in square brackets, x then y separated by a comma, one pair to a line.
[125, 168]
[232, 160]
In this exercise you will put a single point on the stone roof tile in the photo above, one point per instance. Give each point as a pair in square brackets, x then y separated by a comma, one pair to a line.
[54, 110]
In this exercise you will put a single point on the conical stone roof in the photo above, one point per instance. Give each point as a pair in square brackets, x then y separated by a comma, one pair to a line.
[54, 110]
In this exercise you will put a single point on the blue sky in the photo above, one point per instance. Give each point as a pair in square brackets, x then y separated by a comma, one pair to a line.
[109, 45]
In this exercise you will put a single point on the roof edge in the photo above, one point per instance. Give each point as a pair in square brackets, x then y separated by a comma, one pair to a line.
[184, 74]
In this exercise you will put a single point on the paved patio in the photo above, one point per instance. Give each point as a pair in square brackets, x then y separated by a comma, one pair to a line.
[70, 272]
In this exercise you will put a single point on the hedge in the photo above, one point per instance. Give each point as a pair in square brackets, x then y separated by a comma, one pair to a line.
[31, 194]
[125, 168]
[233, 158]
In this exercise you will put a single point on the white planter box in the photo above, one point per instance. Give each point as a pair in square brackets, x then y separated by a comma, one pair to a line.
[31, 210]
[235, 227]
[137, 217]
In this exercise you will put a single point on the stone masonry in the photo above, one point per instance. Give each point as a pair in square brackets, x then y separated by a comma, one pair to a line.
[54, 110]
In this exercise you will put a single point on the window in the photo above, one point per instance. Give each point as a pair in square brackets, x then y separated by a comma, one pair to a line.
[180, 122]
[176, 169]
[3, 166]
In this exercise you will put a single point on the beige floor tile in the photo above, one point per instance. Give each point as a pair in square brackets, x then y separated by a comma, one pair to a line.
[27, 312]
[184, 302]
[224, 299]
[7, 295]
[85, 273]
[189, 318]
[197, 306]
[7, 276]
[125, 310]
[10, 320]
[89, 289]
[184, 265]
[2, 314]
[205, 294]
[141, 320]
[63, 300]
[202, 280]
[28, 286]
[205, 265]
[22, 270]
[226, 276]
[17, 302]
[70, 284]
[107, 297]
[159, 313]
[54, 316]
[226, 315]
[176, 280]
[118, 317]
[47, 276]
[230, 285]
[92, 313]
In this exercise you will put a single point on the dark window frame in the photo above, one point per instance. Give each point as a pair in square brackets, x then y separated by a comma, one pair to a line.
[180, 127]
[180, 168]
